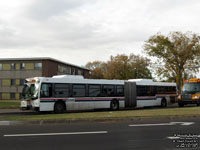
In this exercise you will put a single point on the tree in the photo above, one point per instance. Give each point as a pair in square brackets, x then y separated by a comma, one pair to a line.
[121, 67]
[118, 67]
[140, 67]
[177, 53]
[97, 69]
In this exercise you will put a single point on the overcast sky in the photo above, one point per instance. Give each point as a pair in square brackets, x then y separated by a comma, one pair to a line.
[78, 31]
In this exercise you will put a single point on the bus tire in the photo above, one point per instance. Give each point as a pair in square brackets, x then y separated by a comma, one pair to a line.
[59, 107]
[180, 104]
[163, 103]
[114, 105]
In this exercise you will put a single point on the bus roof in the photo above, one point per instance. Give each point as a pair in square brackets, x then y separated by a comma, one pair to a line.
[81, 80]
[150, 82]
[192, 80]
[76, 79]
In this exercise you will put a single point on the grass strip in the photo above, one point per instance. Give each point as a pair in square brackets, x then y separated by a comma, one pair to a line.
[9, 104]
[141, 113]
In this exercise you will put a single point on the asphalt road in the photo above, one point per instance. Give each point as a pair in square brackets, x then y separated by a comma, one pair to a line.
[144, 135]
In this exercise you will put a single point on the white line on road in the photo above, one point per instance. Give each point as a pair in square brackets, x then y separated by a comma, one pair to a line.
[51, 134]
[145, 125]
[162, 124]
[173, 137]
[179, 137]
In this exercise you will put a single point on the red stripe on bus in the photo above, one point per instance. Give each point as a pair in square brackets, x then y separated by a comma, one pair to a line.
[82, 98]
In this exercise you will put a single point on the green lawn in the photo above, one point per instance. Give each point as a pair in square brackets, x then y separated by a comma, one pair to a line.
[9, 104]
[139, 113]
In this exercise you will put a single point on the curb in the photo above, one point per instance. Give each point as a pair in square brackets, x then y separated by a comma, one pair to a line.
[101, 120]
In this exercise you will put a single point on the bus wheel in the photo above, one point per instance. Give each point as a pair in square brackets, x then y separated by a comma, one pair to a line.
[59, 107]
[163, 103]
[114, 105]
[180, 104]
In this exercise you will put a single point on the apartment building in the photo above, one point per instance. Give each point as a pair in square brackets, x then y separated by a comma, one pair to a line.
[14, 71]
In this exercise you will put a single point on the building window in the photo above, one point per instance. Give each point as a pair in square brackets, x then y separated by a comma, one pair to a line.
[60, 69]
[12, 95]
[13, 66]
[20, 96]
[65, 70]
[38, 66]
[13, 82]
[22, 66]
[1, 67]
[73, 71]
[80, 72]
[22, 81]
[68, 70]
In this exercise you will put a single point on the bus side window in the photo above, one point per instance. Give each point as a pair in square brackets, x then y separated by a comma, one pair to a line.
[149, 91]
[120, 90]
[94, 90]
[141, 90]
[46, 90]
[108, 90]
[61, 90]
[79, 90]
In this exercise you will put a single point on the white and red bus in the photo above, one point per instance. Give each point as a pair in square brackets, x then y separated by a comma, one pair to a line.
[67, 92]
[149, 93]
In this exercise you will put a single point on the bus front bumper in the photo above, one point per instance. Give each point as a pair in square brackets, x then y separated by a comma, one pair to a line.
[25, 105]
[189, 102]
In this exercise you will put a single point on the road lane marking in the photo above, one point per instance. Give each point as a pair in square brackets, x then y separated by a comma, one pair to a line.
[179, 137]
[145, 125]
[184, 123]
[173, 137]
[163, 124]
[51, 134]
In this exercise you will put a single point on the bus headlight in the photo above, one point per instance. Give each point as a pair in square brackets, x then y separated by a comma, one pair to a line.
[23, 103]
[196, 97]
[179, 97]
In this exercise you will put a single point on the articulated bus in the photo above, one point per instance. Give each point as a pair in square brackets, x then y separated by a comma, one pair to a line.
[67, 92]
[190, 93]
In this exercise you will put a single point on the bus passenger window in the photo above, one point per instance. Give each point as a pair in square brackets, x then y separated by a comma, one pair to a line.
[120, 90]
[141, 91]
[94, 90]
[79, 90]
[61, 90]
[108, 90]
[46, 90]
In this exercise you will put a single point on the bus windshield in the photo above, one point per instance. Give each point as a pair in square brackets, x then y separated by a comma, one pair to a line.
[29, 91]
[191, 88]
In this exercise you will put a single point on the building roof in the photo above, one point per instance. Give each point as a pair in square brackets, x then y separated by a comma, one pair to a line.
[41, 58]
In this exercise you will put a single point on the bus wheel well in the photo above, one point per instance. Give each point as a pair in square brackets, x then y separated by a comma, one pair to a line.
[163, 102]
[114, 104]
[59, 106]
